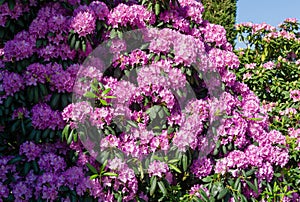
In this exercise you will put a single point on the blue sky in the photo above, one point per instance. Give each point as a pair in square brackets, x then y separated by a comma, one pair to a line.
[270, 11]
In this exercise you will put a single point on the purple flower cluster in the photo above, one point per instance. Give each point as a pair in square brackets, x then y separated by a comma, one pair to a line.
[20, 113]
[54, 174]
[201, 167]
[11, 82]
[101, 116]
[15, 13]
[50, 19]
[43, 117]
[30, 150]
[62, 80]
[36, 73]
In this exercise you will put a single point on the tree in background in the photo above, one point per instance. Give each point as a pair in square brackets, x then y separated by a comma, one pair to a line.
[222, 12]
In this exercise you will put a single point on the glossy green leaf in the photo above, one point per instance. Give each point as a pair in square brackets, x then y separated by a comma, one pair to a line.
[92, 168]
[90, 95]
[173, 167]
[153, 186]
[162, 187]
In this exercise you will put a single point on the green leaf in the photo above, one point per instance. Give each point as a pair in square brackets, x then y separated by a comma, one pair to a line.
[255, 119]
[113, 33]
[237, 182]
[110, 97]
[103, 102]
[153, 186]
[207, 179]
[11, 4]
[45, 133]
[54, 100]
[26, 168]
[184, 162]
[15, 126]
[173, 161]
[65, 132]
[70, 138]
[162, 188]
[43, 89]
[110, 174]
[250, 172]
[166, 110]
[77, 44]
[8, 102]
[161, 114]
[39, 43]
[174, 168]
[106, 91]
[132, 123]
[15, 160]
[94, 176]
[252, 186]
[92, 168]
[203, 194]
[23, 128]
[157, 9]
[73, 40]
[120, 34]
[35, 167]
[222, 193]
[90, 95]
[36, 95]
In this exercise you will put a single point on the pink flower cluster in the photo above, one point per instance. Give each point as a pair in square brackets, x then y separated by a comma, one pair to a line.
[256, 28]
[295, 133]
[214, 34]
[269, 65]
[284, 34]
[295, 95]
[192, 10]
[157, 168]
[136, 16]
[84, 21]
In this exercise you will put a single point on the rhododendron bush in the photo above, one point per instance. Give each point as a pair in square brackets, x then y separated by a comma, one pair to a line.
[270, 66]
[90, 111]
